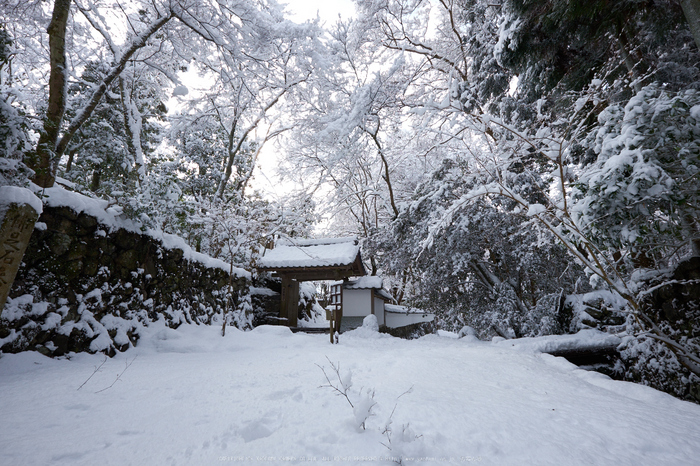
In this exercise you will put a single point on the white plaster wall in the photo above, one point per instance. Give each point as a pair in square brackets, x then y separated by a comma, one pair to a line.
[394, 320]
[379, 310]
[357, 303]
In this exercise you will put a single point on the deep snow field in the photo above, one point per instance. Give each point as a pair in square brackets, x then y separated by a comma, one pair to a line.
[191, 397]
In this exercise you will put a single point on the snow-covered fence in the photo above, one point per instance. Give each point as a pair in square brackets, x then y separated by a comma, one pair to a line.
[91, 281]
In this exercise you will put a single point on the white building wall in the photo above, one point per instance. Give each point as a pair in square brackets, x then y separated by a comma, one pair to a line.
[379, 310]
[357, 303]
[394, 320]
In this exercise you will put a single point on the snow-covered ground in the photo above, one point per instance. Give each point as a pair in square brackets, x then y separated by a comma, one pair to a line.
[191, 397]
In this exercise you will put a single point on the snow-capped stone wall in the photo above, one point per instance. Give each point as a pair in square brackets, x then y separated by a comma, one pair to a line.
[90, 284]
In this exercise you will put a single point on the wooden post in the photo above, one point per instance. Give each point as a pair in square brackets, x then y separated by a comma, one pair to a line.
[337, 312]
[293, 305]
[336, 319]
[284, 296]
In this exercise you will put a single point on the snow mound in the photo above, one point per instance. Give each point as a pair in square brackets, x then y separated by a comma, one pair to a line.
[370, 323]
[368, 330]
[467, 334]
[16, 195]
[587, 338]
[277, 330]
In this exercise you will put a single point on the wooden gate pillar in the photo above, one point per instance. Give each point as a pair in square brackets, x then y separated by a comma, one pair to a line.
[289, 300]
[293, 309]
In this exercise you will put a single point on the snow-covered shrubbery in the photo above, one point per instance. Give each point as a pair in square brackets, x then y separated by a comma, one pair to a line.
[476, 264]
[640, 199]
[14, 125]
[310, 310]
[650, 362]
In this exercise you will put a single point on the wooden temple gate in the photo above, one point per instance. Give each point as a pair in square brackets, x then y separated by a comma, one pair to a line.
[311, 260]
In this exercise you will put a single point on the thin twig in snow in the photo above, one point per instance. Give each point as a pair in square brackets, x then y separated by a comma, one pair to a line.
[344, 391]
[97, 369]
[126, 366]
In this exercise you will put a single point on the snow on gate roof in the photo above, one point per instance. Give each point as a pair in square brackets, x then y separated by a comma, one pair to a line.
[366, 282]
[322, 252]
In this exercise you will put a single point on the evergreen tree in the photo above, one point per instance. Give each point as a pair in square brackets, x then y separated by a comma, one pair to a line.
[14, 125]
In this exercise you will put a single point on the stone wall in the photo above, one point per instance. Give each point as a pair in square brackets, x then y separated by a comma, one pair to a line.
[87, 286]
[411, 331]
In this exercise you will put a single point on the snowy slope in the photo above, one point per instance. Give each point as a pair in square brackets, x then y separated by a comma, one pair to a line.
[190, 397]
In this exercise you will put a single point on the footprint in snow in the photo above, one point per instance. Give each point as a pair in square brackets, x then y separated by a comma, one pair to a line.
[295, 394]
[78, 407]
[259, 428]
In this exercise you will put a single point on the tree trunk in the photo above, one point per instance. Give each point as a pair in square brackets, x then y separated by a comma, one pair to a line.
[50, 147]
[71, 157]
[95, 182]
[43, 161]
[132, 125]
[234, 149]
[632, 58]
[691, 225]
[386, 178]
[84, 113]
[691, 10]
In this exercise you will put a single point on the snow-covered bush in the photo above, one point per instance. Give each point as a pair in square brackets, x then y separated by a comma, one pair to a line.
[600, 309]
[477, 264]
[650, 362]
[14, 124]
[641, 199]
[547, 317]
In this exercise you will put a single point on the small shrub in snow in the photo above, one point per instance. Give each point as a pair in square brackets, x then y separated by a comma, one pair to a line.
[397, 440]
[647, 361]
[363, 406]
